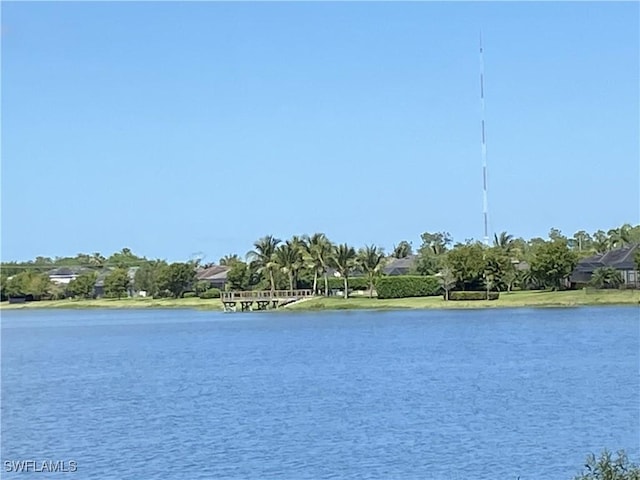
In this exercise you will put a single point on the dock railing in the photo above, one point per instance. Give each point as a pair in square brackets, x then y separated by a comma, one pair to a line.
[265, 295]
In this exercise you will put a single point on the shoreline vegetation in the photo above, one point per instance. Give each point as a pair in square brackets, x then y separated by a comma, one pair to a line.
[516, 299]
[466, 272]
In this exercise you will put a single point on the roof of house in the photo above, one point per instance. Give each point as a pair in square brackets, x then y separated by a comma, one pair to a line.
[400, 266]
[218, 276]
[66, 271]
[215, 272]
[620, 258]
[104, 273]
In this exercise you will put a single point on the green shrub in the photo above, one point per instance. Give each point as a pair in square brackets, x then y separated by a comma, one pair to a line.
[337, 283]
[609, 468]
[211, 293]
[201, 286]
[473, 295]
[606, 277]
[189, 295]
[358, 283]
[403, 286]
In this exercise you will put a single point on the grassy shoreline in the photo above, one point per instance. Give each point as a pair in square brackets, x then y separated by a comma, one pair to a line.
[528, 299]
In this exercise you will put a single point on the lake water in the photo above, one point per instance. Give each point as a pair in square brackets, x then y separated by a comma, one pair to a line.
[482, 394]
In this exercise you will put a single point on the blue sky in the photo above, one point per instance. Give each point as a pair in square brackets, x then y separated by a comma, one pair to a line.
[175, 128]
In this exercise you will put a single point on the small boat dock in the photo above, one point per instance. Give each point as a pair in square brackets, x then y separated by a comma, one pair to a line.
[261, 299]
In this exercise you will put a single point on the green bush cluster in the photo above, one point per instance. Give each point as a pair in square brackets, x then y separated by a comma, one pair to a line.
[211, 293]
[606, 467]
[473, 295]
[189, 295]
[403, 286]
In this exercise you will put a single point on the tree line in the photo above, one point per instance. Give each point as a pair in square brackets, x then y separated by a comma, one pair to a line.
[306, 262]
[470, 265]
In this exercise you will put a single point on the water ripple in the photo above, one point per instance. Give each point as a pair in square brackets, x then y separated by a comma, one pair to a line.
[411, 395]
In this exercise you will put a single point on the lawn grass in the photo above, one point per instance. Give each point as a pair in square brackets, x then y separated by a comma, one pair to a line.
[124, 303]
[514, 299]
[568, 298]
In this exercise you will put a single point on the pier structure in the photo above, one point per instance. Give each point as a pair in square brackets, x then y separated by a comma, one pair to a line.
[263, 299]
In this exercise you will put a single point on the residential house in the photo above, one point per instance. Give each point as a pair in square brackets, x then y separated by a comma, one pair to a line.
[622, 259]
[98, 289]
[216, 275]
[64, 275]
[400, 266]
[392, 266]
[131, 272]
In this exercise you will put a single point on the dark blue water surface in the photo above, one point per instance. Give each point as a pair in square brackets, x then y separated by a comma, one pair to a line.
[482, 394]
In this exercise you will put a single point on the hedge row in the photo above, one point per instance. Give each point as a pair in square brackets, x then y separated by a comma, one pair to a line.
[473, 295]
[403, 286]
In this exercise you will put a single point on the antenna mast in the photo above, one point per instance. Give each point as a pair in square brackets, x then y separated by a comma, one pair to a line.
[484, 150]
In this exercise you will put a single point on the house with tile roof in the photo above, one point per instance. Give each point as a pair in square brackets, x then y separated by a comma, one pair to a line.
[400, 266]
[64, 275]
[622, 259]
[216, 275]
[99, 291]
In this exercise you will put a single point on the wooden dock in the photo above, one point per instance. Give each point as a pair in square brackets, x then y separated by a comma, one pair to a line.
[263, 299]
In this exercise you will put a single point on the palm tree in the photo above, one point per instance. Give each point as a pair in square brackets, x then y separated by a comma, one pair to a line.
[614, 237]
[581, 240]
[619, 237]
[438, 242]
[625, 233]
[528, 279]
[504, 241]
[371, 260]
[229, 260]
[344, 259]
[298, 244]
[262, 257]
[601, 242]
[288, 257]
[318, 250]
[402, 250]
[606, 277]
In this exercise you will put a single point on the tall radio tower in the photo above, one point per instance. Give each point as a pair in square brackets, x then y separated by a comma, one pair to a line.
[485, 206]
